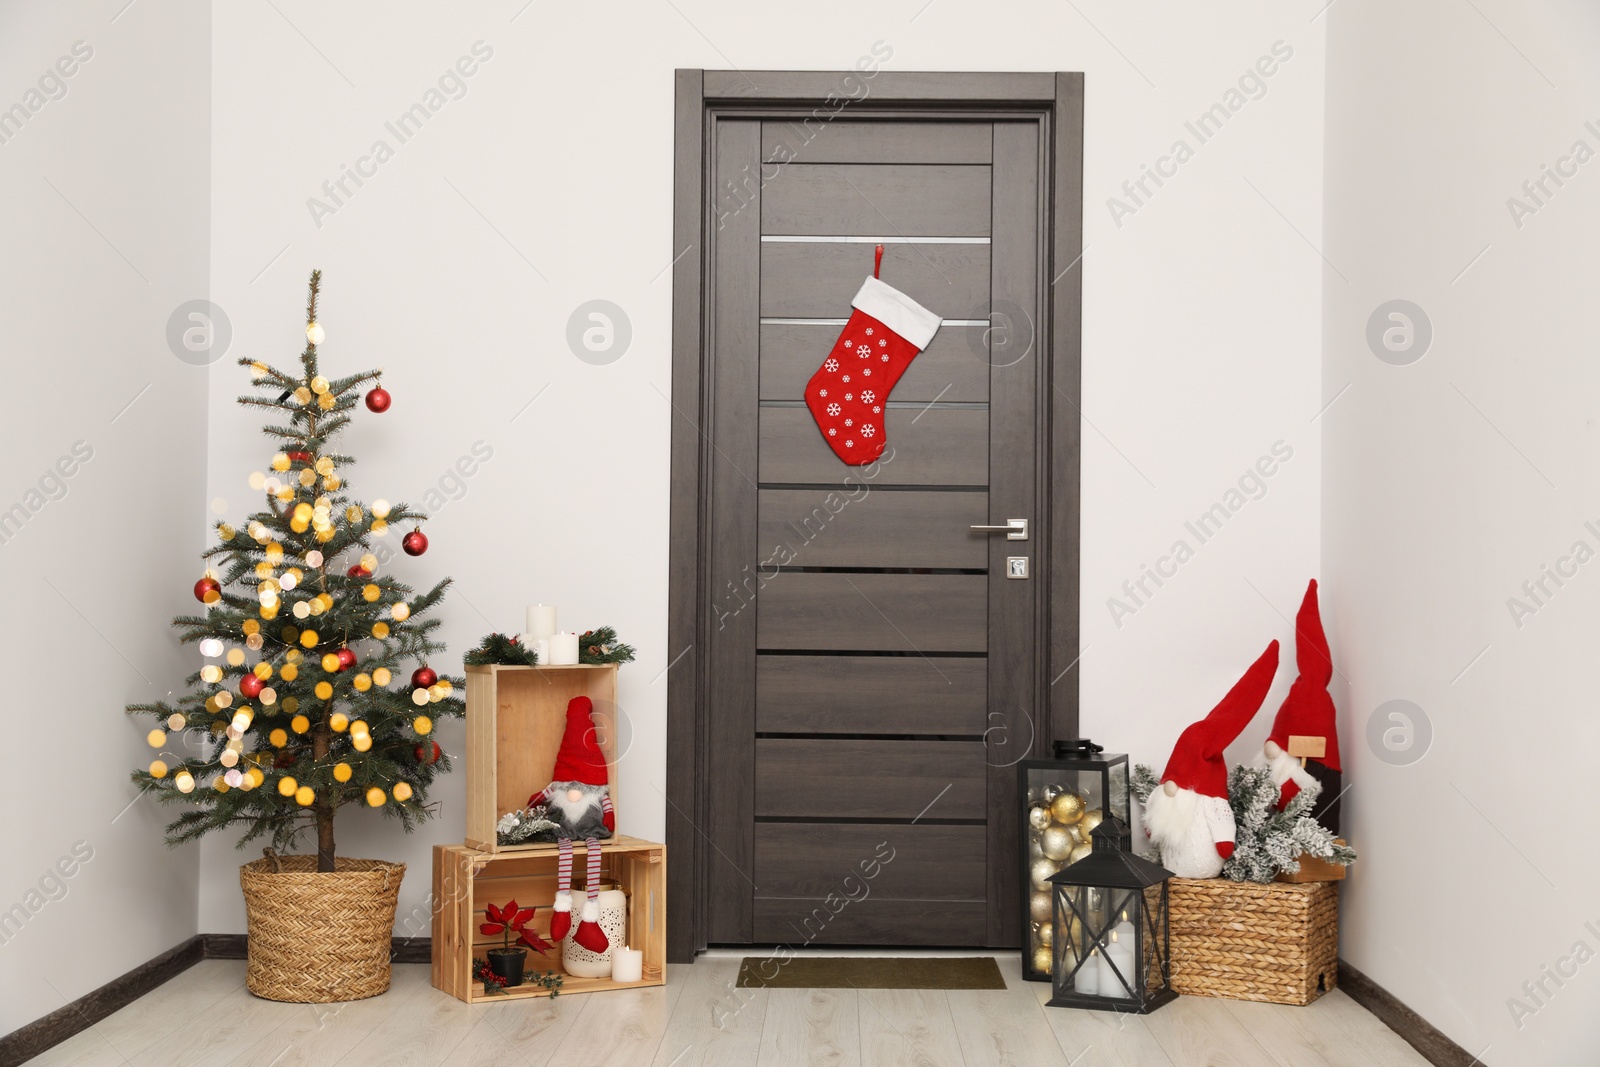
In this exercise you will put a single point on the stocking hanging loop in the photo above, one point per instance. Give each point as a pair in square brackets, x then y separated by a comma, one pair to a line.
[877, 260]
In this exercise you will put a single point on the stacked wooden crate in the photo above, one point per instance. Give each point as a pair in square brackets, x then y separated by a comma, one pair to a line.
[515, 719]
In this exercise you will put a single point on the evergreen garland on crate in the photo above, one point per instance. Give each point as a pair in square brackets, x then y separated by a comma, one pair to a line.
[1267, 841]
[498, 648]
[600, 646]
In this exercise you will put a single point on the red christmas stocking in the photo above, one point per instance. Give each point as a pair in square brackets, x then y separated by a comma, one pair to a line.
[848, 394]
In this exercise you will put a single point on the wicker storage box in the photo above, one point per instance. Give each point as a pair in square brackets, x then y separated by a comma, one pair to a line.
[319, 938]
[1273, 941]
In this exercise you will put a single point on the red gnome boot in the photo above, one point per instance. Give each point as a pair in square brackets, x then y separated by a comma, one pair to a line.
[850, 392]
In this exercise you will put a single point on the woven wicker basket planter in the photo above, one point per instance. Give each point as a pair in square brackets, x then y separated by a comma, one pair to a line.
[316, 938]
[1276, 941]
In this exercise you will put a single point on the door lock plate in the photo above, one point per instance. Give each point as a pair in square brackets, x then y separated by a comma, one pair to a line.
[1016, 566]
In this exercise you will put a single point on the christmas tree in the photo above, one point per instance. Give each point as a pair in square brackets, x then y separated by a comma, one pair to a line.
[303, 704]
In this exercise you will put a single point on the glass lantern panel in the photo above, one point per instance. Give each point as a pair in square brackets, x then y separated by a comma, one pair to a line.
[1063, 806]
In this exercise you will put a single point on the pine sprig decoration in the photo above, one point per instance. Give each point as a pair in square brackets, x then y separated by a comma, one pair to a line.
[1268, 841]
[1144, 782]
[498, 648]
[292, 718]
[600, 645]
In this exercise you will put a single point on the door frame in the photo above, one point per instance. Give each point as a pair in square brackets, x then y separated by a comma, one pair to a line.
[702, 98]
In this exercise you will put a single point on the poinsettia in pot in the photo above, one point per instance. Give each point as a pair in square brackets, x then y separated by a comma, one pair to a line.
[510, 922]
[305, 700]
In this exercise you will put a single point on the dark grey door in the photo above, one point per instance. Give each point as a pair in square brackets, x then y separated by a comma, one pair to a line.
[872, 669]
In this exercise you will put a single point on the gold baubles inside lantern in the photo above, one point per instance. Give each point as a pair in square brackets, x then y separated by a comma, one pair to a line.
[1079, 853]
[1041, 960]
[1067, 808]
[1038, 817]
[1039, 907]
[1057, 843]
[1091, 818]
[1045, 934]
[1039, 873]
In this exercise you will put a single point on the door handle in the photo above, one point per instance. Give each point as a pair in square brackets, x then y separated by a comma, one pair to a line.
[1014, 529]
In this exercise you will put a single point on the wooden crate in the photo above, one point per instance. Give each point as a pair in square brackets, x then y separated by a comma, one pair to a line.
[515, 718]
[464, 880]
[1315, 870]
[1271, 941]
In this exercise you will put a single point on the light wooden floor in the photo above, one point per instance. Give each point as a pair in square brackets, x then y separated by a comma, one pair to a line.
[205, 1016]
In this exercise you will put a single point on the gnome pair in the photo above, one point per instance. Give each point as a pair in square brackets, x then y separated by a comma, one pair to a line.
[1188, 817]
[578, 801]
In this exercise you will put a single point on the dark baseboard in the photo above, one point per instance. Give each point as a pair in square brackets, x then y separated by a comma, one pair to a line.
[28, 1041]
[1418, 1032]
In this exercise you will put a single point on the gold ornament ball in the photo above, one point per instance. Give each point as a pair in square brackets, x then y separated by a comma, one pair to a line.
[1039, 873]
[319, 384]
[402, 791]
[422, 725]
[278, 737]
[1039, 907]
[287, 786]
[223, 699]
[156, 738]
[1046, 934]
[1035, 848]
[322, 690]
[361, 742]
[1038, 817]
[1091, 818]
[1067, 808]
[1078, 853]
[236, 657]
[1057, 843]
[381, 676]
[1042, 961]
[308, 638]
[338, 721]
[380, 630]
[362, 682]
[184, 781]
[289, 672]
[376, 797]
[175, 721]
[158, 769]
[299, 724]
[342, 772]
[370, 593]
[315, 333]
[330, 663]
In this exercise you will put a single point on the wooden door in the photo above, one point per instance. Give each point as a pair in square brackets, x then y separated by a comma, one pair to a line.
[873, 673]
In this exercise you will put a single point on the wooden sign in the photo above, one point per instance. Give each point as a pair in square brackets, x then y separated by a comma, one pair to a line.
[1303, 747]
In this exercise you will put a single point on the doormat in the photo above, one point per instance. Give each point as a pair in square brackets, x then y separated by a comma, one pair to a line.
[870, 972]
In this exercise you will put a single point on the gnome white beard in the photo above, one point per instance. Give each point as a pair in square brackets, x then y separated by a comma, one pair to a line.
[1185, 828]
[1285, 768]
[577, 817]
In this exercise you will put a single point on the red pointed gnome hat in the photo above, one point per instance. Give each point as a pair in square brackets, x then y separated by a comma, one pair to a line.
[1308, 709]
[579, 759]
[1197, 761]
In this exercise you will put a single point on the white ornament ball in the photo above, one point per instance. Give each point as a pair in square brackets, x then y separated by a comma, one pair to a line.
[380, 508]
[315, 333]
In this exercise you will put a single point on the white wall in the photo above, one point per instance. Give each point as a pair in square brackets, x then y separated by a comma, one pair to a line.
[1448, 483]
[104, 233]
[549, 184]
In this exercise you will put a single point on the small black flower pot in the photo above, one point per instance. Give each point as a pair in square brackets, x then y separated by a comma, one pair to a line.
[507, 963]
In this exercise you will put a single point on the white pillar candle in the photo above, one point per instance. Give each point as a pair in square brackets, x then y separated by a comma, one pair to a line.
[627, 965]
[542, 647]
[541, 620]
[563, 649]
[1087, 980]
[1119, 982]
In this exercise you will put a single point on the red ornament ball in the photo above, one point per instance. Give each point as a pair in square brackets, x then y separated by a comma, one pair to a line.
[300, 457]
[250, 686]
[378, 399]
[423, 677]
[347, 659]
[429, 752]
[207, 590]
[358, 571]
[415, 543]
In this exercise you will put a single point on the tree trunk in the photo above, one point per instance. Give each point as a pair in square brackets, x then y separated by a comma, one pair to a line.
[321, 743]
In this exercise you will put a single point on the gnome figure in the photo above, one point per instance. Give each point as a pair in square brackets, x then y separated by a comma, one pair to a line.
[1188, 817]
[1304, 744]
[578, 801]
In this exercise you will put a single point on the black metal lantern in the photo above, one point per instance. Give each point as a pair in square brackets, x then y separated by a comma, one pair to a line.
[1110, 948]
[1065, 799]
